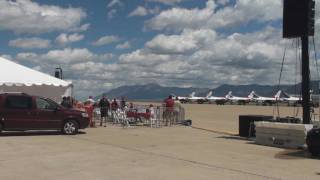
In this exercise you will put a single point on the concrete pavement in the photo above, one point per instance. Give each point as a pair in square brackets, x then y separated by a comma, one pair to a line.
[145, 153]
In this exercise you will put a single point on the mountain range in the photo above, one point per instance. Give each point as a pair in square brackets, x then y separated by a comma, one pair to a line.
[157, 92]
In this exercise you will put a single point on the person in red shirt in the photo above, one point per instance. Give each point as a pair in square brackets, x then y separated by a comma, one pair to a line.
[168, 113]
[89, 107]
[169, 103]
[114, 105]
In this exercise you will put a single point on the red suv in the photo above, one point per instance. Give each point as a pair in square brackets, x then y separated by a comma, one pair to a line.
[20, 111]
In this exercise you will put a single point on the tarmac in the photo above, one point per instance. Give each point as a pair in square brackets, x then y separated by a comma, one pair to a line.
[142, 153]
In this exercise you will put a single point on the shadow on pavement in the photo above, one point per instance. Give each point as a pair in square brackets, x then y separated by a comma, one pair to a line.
[294, 154]
[234, 138]
[285, 154]
[34, 133]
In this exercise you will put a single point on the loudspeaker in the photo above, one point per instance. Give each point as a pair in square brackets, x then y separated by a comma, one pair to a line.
[298, 18]
[313, 141]
[246, 124]
[57, 74]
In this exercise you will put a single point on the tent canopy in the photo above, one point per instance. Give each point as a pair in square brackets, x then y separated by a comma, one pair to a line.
[17, 78]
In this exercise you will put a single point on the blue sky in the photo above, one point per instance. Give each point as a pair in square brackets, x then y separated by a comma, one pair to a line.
[103, 44]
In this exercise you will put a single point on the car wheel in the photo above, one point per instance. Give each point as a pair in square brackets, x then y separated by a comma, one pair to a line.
[70, 127]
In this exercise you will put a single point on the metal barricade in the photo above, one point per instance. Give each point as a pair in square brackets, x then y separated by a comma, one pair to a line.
[152, 116]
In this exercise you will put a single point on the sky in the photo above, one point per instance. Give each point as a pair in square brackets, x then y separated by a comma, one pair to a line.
[104, 44]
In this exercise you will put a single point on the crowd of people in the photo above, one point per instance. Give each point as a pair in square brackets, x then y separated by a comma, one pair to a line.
[90, 104]
[172, 110]
[107, 108]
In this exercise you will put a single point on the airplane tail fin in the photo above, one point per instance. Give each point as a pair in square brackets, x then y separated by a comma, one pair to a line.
[192, 94]
[229, 95]
[277, 95]
[209, 94]
[251, 95]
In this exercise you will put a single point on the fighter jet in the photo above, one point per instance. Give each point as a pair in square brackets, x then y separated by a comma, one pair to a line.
[291, 100]
[239, 100]
[215, 99]
[196, 99]
[266, 100]
[182, 99]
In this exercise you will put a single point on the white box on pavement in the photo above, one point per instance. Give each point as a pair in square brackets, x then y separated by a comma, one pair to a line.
[285, 135]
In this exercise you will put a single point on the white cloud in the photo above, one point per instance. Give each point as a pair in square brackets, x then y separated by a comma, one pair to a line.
[139, 11]
[26, 16]
[30, 43]
[125, 45]
[106, 40]
[83, 67]
[113, 8]
[114, 3]
[168, 2]
[142, 11]
[143, 58]
[223, 2]
[242, 12]
[29, 57]
[82, 28]
[6, 56]
[65, 56]
[68, 55]
[111, 13]
[188, 42]
[64, 39]
[205, 59]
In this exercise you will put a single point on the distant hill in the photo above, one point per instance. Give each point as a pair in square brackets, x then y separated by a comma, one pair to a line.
[151, 91]
[157, 92]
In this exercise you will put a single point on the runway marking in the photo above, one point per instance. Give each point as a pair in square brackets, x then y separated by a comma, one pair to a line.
[212, 166]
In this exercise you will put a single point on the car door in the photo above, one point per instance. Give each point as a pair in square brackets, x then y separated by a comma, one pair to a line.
[48, 115]
[18, 112]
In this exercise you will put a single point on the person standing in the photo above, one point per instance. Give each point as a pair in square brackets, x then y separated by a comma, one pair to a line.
[66, 102]
[177, 110]
[122, 103]
[89, 107]
[114, 108]
[114, 105]
[169, 110]
[104, 105]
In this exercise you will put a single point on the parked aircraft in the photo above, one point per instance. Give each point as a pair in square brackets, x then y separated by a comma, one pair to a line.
[266, 100]
[200, 100]
[239, 100]
[291, 100]
[182, 99]
[215, 99]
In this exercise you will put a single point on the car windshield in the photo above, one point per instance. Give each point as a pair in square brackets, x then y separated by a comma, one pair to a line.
[43, 103]
[53, 103]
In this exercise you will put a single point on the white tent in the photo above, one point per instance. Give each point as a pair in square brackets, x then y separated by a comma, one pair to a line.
[17, 78]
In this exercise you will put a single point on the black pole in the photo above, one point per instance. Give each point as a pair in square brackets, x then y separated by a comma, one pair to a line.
[305, 80]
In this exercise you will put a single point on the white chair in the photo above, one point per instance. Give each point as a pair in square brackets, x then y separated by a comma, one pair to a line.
[154, 121]
[125, 121]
